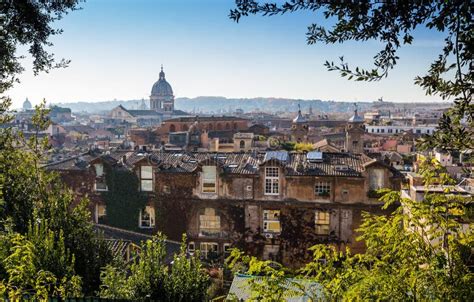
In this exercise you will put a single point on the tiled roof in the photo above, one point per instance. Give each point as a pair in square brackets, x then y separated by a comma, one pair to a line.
[205, 119]
[116, 234]
[297, 290]
[294, 163]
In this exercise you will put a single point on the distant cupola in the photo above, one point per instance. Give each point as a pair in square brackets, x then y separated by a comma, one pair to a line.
[162, 98]
[27, 105]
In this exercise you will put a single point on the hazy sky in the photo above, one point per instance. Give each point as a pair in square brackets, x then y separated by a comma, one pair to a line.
[117, 46]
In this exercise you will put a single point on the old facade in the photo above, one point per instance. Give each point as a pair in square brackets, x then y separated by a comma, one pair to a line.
[272, 204]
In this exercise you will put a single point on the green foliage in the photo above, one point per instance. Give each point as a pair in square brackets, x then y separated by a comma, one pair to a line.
[29, 23]
[187, 280]
[123, 199]
[148, 277]
[293, 146]
[31, 195]
[288, 146]
[419, 252]
[37, 265]
[303, 147]
[393, 23]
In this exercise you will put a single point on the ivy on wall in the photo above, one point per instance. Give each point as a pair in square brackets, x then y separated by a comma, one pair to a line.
[123, 199]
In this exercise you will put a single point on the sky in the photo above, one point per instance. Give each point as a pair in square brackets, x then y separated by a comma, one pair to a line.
[116, 48]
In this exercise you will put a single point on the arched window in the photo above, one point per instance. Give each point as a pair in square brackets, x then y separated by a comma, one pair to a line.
[235, 126]
[227, 126]
[210, 126]
[242, 144]
[184, 127]
[219, 126]
[172, 128]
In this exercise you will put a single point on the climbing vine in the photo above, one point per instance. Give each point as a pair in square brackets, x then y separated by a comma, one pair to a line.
[123, 198]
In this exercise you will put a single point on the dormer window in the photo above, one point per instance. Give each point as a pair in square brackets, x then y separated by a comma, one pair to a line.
[100, 183]
[146, 178]
[272, 181]
[209, 177]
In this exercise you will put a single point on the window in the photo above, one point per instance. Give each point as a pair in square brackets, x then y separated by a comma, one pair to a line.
[322, 188]
[242, 144]
[208, 247]
[99, 170]
[321, 222]
[209, 176]
[100, 212]
[227, 249]
[390, 130]
[147, 218]
[146, 178]
[271, 221]
[100, 183]
[376, 179]
[272, 186]
[209, 223]
[191, 247]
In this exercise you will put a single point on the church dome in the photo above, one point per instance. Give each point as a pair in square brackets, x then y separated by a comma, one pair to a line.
[26, 105]
[162, 87]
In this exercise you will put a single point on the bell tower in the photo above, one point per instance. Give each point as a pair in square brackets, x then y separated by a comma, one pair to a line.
[355, 130]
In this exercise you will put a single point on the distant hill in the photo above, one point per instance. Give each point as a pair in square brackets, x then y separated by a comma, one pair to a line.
[223, 105]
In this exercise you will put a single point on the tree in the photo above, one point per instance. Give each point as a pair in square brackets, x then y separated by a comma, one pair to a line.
[393, 23]
[37, 265]
[30, 195]
[419, 252]
[149, 277]
[29, 23]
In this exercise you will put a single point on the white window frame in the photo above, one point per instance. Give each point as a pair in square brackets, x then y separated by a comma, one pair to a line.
[146, 177]
[204, 248]
[100, 177]
[209, 177]
[321, 187]
[150, 222]
[272, 181]
[191, 247]
[322, 222]
[226, 248]
[271, 217]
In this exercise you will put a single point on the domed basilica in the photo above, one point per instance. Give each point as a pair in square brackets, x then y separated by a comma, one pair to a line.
[162, 98]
